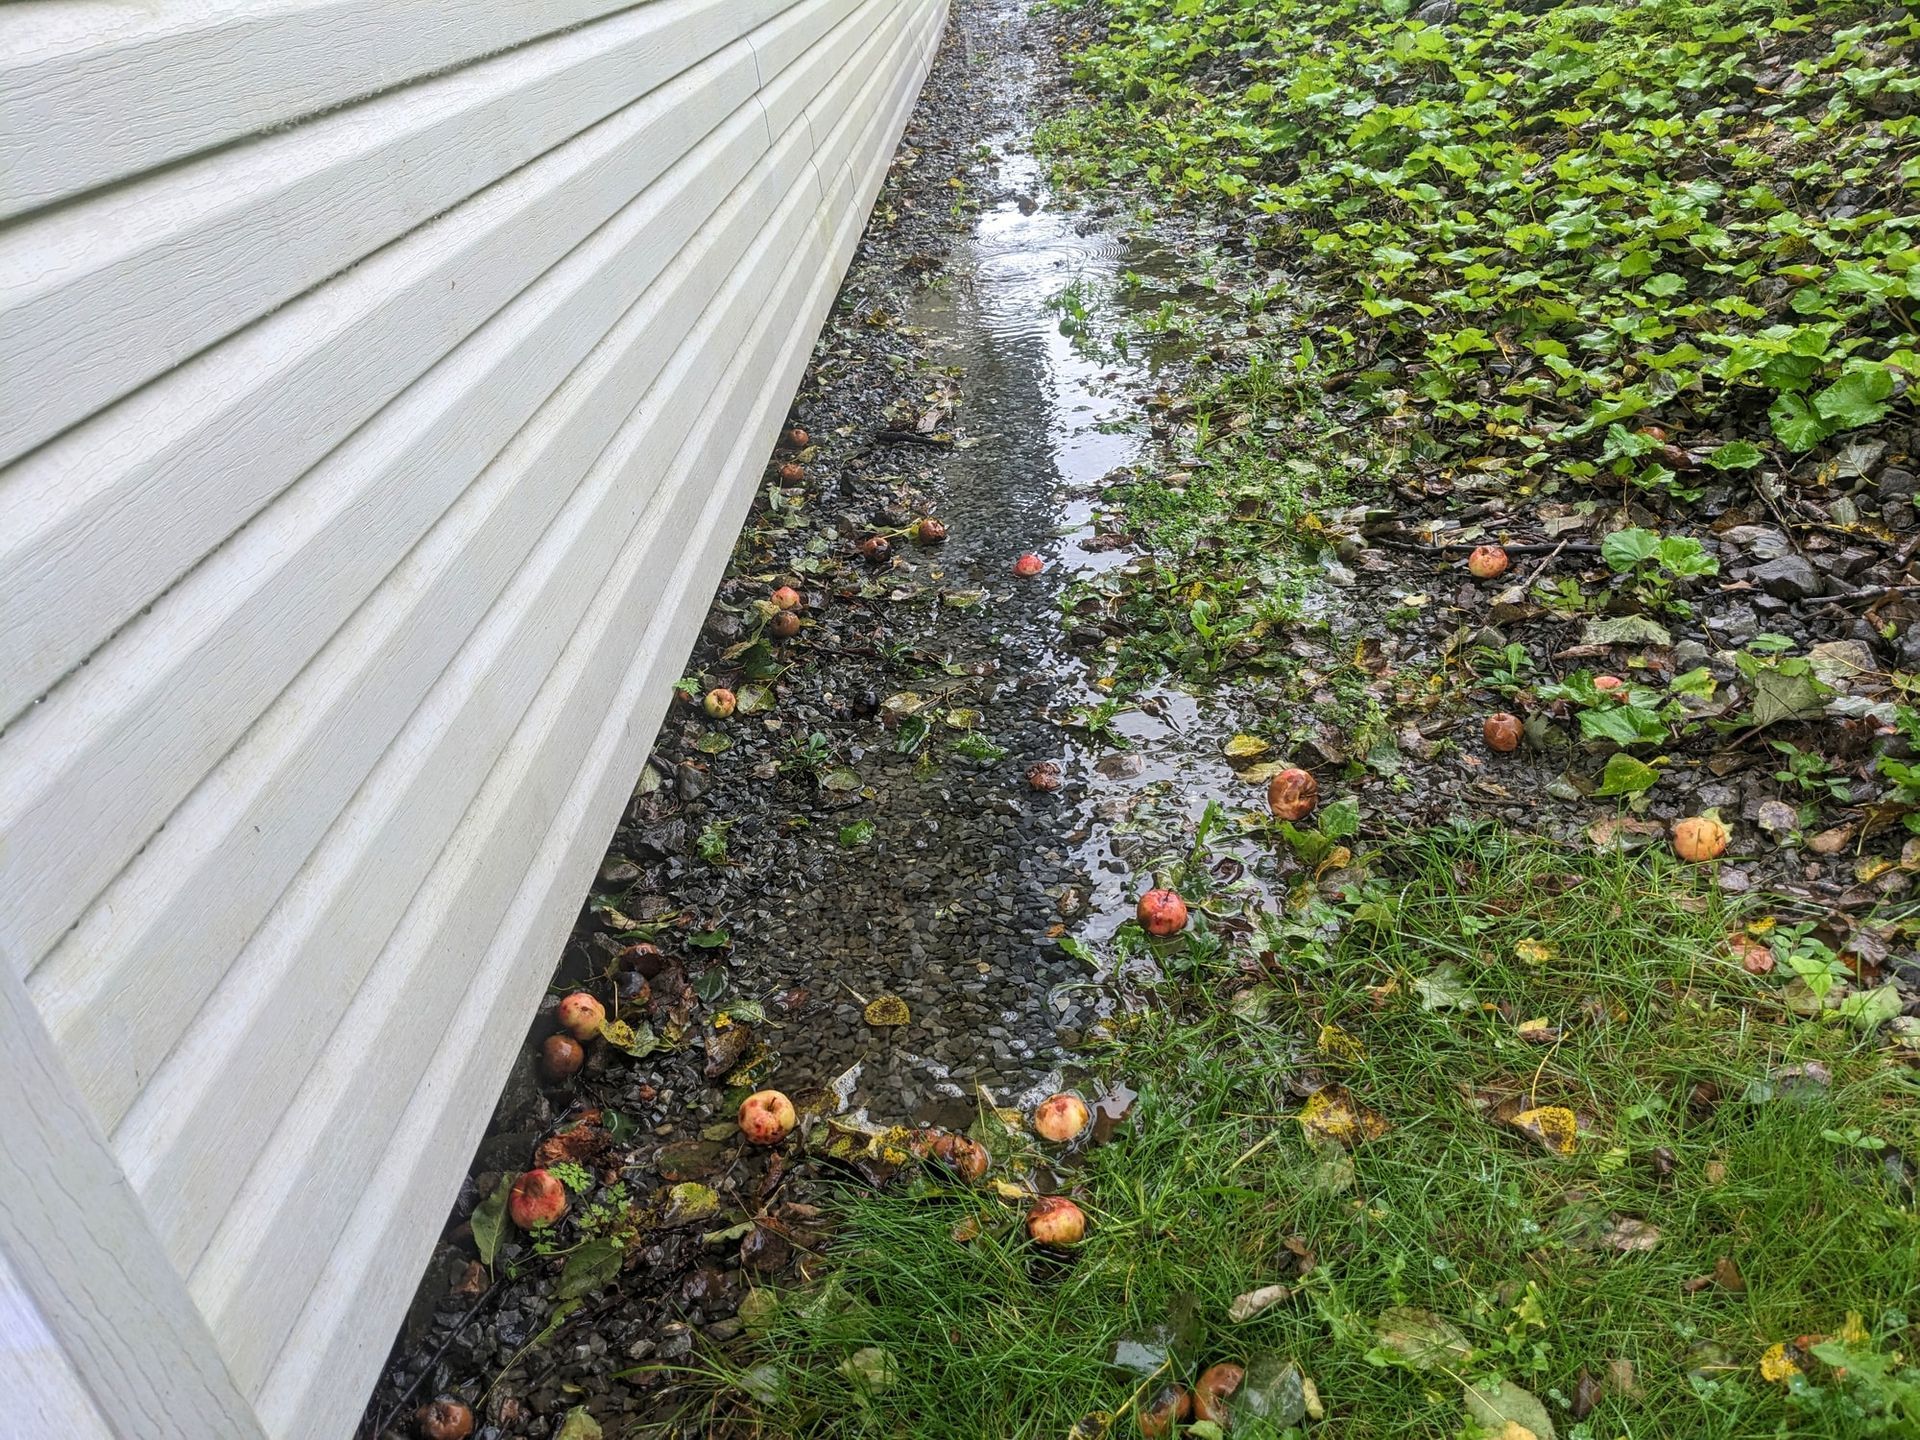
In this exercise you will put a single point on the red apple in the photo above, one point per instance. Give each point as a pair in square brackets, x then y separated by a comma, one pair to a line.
[798, 438]
[785, 598]
[1055, 1220]
[1292, 794]
[1028, 566]
[536, 1200]
[719, 702]
[1502, 732]
[1162, 912]
[1604, 683]
[581, 1016]
[766, 1117]
[877, 549]
[1487, 562]
[444, 1419]
[562, 1056]
[784, 625]
[1060, 1118]
[793, 472]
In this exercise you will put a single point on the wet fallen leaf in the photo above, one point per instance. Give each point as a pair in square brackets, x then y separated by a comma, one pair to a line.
[870, 1369]
[1445, 988]
[1776, 1365]
[1537, 1031]
[687, 1202]
[887, 1010]
[1552, 1127]
[1509, 1411]
[1274, 1390]
[1333, 1114]
[1245, 1307]
[1246, 747]
[1337, 1044]
[1420, 1339]
[1725, 1275]
[579, 1425]
[489, 1219]
[1630, 1236]
[1535, 952]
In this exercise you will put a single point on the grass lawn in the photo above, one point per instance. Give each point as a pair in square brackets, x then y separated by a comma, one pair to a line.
[1730, 1225]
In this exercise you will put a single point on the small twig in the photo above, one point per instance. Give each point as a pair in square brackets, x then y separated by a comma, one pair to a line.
[912, 437]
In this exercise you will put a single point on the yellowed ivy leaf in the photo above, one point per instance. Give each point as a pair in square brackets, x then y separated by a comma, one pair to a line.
[1553, 1127]
[1333, 1114]
[1535, 952]
[1337, 1044]
[1776, 1366]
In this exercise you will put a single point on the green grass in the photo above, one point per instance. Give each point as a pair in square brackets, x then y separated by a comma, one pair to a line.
[1663, 1043]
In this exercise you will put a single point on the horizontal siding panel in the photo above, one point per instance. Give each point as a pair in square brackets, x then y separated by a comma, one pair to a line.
[123, 984]
[98, 297]
[272, 1241]
[96, 92]
[135, 496]
[181, 1146]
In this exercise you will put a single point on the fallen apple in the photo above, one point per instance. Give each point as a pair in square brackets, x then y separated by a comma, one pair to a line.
[798, 438]
[877, 549]
[581, 1016]
[1056, 1221]
[1487, 562]
[929, 531]
[1503, 731]
[1045, 775]
[445, 1419]
[1608, 682]
[793, 472]
[966, 1158]
[1169, 1407]
[766, 1117]
[1060, 1118]
[1028, 566]
[537, 1200]
[562, 1056]
[719, 702]
[784, 625]
[1162, 912]
[1292, 794]
[785, 598]
[1701, 837]
[1213, 1392]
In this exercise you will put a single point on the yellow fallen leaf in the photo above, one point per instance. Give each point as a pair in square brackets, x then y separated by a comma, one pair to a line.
[1854, 1333]
[884, 1010]
[1552, 1126]
[1333, 1114]
[1514, 1430]
[1534, 952]
[1337, 1044]
[1775, 1366]
[1245, 747]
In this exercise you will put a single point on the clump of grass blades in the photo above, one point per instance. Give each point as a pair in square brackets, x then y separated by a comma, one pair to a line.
[1197, 1201]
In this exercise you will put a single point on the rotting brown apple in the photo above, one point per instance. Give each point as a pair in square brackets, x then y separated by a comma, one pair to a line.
[798, 438]
[793, 472]
[929, 531]
[1502, 731]
[1292, 794]
[581, 1016]
[1055, 1221]
[877, 549]
[766, 1117]
[562, 1056]
[966, 1158]
[1060, 1118]
[1213, 1392]
[1045, 775]
[1169, 1406]
[1162, 912]
[444, 1418]
[537, 1200]
[1487, 562]
[785, 625]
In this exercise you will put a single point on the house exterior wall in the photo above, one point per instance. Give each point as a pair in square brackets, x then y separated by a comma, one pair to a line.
[381, 389]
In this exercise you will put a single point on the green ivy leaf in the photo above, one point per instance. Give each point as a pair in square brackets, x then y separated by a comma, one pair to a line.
[1625, 775]
[1856, 398]
[489, 1219]
[1736, 455]
[1796, 424]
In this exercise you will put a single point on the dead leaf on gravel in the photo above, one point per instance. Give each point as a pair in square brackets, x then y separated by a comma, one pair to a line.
[887, 1010]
